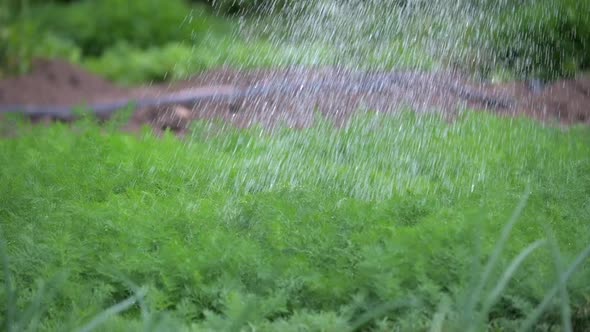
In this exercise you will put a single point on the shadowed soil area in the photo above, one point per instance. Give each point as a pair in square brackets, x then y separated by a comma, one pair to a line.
[286, 96]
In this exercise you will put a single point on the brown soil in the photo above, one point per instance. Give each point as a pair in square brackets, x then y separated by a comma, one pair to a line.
[290, 96]
[55, 82]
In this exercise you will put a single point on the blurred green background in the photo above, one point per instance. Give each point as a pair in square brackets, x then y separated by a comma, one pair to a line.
[134, 41]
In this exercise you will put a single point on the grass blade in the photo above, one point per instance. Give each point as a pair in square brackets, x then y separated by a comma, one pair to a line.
[559, 266]
[507, 275]
[378, 312]
[566, 313]
[112, 311]
[534, 316]
[9, 287]
[47, 291]
[136, 289]
[487, 272]
[439, 318]
[502, 242]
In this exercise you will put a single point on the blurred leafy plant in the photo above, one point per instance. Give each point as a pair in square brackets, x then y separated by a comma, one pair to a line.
[546, 39]
[97, 25]
[90, 28]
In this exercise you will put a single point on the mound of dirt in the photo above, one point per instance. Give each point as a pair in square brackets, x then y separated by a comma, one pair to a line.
[56, 82]
[568, 101]
[289, 96]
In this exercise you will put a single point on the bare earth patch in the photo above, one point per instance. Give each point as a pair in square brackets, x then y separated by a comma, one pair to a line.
[285, 96]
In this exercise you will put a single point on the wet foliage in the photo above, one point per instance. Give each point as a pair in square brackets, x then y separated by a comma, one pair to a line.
[90, 28]
[401, 222]
[510, 39]
[391, 223]
[544, 39]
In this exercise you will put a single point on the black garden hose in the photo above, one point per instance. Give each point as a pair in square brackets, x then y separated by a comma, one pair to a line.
[368, 84]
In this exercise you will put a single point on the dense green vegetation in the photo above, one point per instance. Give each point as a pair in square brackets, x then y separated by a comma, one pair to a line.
[134, 42]
[545, 39]
[404, 223]
[88, 29]
[391, 223]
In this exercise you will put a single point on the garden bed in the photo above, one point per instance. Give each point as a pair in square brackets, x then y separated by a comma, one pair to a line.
[292, 95]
